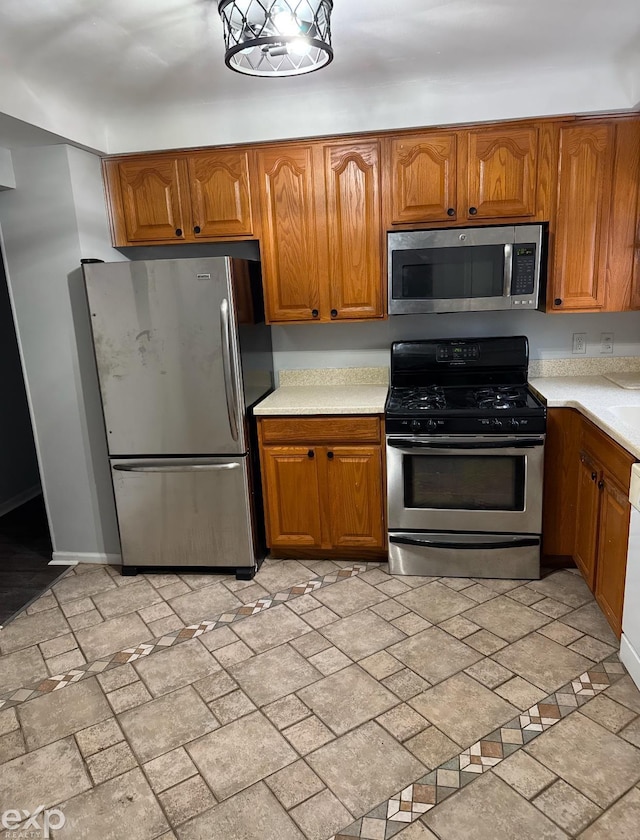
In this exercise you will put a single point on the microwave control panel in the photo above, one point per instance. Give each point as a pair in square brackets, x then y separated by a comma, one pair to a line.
[523, 275]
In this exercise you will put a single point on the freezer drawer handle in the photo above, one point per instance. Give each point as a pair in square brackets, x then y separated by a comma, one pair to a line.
[229, 389]
[465, 545]
[174, 468]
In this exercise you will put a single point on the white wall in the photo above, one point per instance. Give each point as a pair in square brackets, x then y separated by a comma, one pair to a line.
[19, 479]
[53, 218]
[360, 106]
[367, 344]
[7, 175]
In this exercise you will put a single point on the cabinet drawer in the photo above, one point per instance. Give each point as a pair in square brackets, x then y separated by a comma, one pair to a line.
[321, 430]
[616, 460]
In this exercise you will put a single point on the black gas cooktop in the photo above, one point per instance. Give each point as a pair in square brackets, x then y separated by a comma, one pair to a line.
[462, 386]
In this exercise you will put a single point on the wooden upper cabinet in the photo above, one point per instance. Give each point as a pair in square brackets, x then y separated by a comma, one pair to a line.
[501, 173]
[423, 178]
[220, 198]
[354, 230]
[289, 233]
[180, 198]
[150, 205]
[579, 255]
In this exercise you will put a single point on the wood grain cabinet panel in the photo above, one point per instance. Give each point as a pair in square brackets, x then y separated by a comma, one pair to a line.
[289, 241]
[355, 496]
[582, 217]
[290, 476]
[327, 494]
[501, 172]
[152, 205]
[587, 510]
[354, 230]
[423, 178]
[613, 539]
[220, 198]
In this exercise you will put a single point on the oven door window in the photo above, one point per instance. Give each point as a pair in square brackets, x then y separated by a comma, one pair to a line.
[464, 482]
[476, 271]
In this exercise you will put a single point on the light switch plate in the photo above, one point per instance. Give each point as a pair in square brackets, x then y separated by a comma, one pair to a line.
[606, 343]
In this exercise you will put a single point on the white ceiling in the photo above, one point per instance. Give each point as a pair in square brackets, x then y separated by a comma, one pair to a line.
[120, 75]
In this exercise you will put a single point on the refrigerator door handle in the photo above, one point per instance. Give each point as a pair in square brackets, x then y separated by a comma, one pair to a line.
[229, 379]
[174, 468]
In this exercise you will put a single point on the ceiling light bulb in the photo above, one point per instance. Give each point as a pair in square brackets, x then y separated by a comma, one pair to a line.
[300, 46]
[286, 23]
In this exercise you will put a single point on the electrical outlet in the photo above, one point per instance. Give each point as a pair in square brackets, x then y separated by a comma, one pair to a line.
[579, 343]
[606, 343]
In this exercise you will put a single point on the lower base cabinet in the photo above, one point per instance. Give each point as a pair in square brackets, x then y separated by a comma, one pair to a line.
[597, 471]
[323, 481]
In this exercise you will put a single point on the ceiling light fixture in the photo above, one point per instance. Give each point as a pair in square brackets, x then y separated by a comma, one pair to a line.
[276, 37]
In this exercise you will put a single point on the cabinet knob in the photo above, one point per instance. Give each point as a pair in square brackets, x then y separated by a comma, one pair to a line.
[334, 313]
[473, 211]
[311, 454]
[451, 212]
[196, 229]
[594, 476]
[178, 231]
[600, 484]
[557, 302]
[330, 456]
[314, 313]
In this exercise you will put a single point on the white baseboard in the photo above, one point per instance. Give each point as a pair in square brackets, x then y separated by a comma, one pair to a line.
[72, 558]
[630, 659]
[20, 499]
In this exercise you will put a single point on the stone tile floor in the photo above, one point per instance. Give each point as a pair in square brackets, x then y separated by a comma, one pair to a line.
[320, 700]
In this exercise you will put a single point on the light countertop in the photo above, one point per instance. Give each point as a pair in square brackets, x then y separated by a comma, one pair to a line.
[301, 400]
[594, 397]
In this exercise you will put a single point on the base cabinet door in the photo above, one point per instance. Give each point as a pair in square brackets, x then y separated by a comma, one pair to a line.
[587, 507]
[292, 496]
[612, 552]
[354, 483]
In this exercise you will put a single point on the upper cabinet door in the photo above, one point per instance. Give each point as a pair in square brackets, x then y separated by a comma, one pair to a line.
[152, 201]
[579, 257]
[220, 197]
[501, 167]
[354, 229]
[289, 233]
[423, 178]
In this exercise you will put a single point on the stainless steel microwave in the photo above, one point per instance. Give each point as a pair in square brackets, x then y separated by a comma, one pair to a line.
[465, 269]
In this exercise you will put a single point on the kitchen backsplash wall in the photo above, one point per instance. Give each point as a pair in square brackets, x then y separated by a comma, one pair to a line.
[367, 344]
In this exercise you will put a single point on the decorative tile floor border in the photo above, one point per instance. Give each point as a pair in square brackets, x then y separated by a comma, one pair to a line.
[122, 657]
[405, 807]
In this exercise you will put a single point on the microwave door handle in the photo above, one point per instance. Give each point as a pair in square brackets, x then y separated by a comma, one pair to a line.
[508, 268]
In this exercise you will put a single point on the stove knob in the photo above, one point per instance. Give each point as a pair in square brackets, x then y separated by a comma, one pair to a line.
[431, 424]
[415, 426]
[515, 423]
[496, 422]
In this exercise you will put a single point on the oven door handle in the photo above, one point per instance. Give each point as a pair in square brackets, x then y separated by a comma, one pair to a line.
[519, 543]
[450, 444]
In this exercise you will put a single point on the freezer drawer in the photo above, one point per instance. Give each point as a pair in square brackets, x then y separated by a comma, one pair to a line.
[184, 512]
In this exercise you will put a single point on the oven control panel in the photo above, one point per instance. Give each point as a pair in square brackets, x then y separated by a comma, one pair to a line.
[457, 351]
[465, 425]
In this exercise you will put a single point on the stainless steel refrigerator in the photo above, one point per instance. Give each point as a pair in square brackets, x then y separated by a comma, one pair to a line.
[183, 354]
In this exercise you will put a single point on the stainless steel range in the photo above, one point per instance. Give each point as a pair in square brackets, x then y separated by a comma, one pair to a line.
[465, 455]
